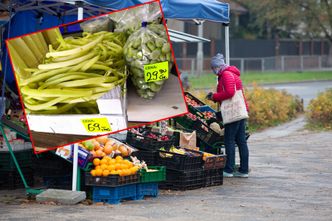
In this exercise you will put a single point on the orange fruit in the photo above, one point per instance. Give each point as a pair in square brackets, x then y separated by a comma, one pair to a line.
[96, 144]
[111, 167]
[106, 172]
[121, 172]
[93, 153]
[99, 153]
[103, 154]
[103, 161]
[123, 150]
[99, 172]
[93, 172]
[103, 166]
[118, 159]
[135, 168]
[128, 172]
[112, 161]
[102, 140]
[96, 161]
[110, 142]
[123, 166]
[97, 167]
[108, 149]
[117, 166]
[114, 172]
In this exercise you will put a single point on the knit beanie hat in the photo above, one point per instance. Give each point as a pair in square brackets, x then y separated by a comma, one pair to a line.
[218, 61]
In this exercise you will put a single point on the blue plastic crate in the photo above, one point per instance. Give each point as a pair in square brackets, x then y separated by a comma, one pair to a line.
[114, 195]
[205, 108]
[147, 189]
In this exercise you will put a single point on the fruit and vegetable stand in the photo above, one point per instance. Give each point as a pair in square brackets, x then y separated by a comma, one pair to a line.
[187, 168]
[118, 170]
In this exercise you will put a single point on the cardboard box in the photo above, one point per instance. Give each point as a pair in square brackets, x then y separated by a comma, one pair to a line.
[67, 152]
[112, 108]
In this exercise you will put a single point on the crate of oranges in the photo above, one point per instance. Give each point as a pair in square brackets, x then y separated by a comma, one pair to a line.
[112, 172]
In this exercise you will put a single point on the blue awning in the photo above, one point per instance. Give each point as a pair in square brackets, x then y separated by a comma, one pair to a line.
[212, 10]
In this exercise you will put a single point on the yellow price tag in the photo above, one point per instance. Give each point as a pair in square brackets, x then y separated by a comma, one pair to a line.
[156, 72]
[93, 125]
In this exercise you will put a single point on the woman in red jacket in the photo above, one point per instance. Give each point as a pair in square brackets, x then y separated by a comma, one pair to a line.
[229, 81]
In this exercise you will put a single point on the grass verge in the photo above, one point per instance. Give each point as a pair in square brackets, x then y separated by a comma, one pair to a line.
[208, 80]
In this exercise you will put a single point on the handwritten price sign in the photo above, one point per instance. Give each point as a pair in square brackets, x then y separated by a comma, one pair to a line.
[156, 72]
[93, 125]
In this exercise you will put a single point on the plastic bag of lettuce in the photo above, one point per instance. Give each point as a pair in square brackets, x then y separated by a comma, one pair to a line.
[147, 47]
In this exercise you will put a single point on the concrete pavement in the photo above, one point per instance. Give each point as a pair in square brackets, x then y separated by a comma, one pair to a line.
[290, 179]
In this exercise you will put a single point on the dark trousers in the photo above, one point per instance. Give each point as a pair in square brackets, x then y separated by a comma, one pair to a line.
[235, 134]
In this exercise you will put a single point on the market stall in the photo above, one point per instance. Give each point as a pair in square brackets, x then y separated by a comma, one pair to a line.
[112, 107]
[206, 16]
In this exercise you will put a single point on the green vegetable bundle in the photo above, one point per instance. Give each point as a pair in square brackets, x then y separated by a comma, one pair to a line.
[75, 75]
[146, 47]
[130, 20]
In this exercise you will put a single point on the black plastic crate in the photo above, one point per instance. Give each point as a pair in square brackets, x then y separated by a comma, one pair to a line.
[147, 143]
[192, 121]
[111, 180]
[48, 163]
[207, 135]
[188, 180]
[12, 179]
[23, 157]
[215, 162]
[192, 97]
[148, 156]
[213, 177]
[180, 162]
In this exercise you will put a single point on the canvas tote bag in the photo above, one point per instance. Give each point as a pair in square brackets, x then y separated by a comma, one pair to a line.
[234, 109]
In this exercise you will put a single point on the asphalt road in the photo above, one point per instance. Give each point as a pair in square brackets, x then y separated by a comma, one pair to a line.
[305, 90]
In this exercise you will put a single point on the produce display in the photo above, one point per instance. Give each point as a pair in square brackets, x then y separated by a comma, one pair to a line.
[208, 115]
[191, 101]
[104, 146]
[113, 166]
[206, 155]
[181, 151]
[146, 47]
[155, 136]
[75, 71]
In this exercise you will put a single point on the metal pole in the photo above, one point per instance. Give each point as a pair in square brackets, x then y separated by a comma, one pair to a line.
[227, 44]
[80, 13]
[301, 63]
[282, 63]
[263, 64]
[75, 162]
[242, 65]
[75, 147]
[192, 66]
[200, 55]
[320, 62]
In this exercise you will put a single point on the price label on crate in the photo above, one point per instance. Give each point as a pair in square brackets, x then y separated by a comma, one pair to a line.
[156, 72]
[94, 125]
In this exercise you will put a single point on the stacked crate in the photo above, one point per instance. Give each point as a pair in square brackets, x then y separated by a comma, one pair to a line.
[10, 177]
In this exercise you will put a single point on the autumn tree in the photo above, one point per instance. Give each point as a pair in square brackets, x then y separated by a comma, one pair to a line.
[296, 18]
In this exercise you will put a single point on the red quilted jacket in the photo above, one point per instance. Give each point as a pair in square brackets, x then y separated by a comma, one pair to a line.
[226, 80]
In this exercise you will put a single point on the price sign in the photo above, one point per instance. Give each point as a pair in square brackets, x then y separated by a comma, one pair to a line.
[156, 72]
[93, 125]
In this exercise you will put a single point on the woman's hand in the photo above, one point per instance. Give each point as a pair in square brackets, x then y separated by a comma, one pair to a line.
[209, 96]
